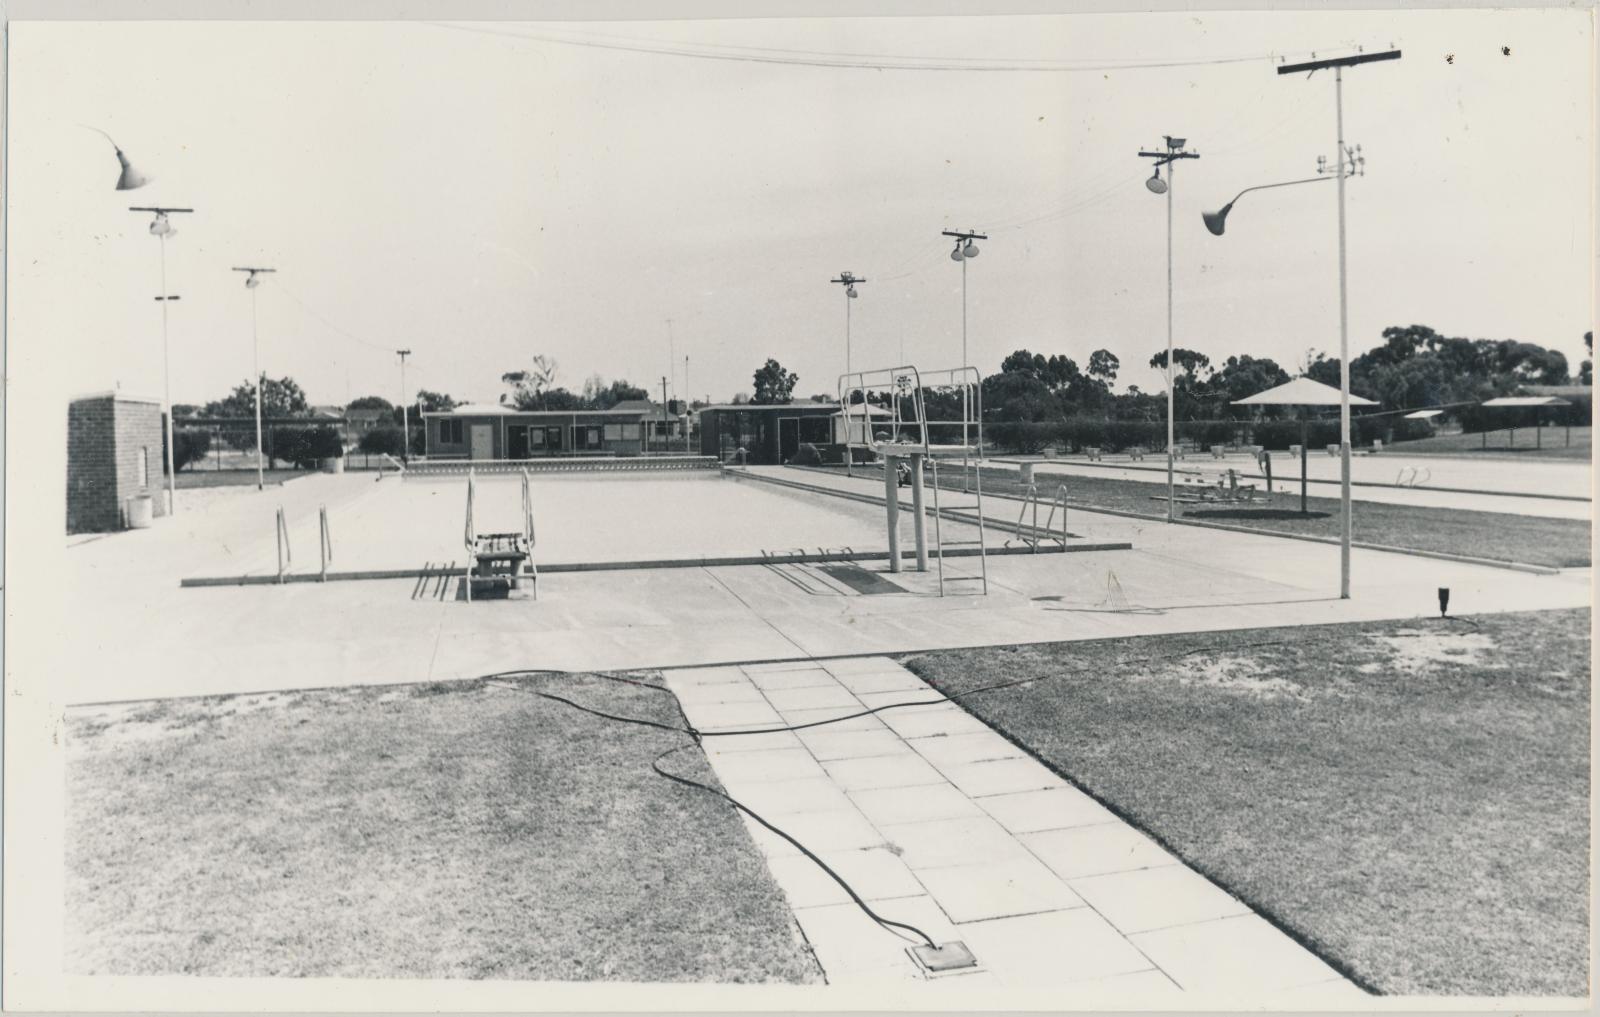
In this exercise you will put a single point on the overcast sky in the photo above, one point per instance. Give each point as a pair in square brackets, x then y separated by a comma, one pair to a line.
[479, 196]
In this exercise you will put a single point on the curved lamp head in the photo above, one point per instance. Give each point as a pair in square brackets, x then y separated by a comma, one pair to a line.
[970, 251]
[955, 255]
[130, 178]
[1215, 221]
[252, 281]
[1155, 183]
[851, 290]
[161, 226]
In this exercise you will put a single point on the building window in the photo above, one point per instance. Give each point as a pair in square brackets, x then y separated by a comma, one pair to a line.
[450, 432]
[613, 432]
[589, 437]
[144, 466]
[630, 432]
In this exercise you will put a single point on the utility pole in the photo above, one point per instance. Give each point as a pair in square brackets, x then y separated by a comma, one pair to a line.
[687, 415]
[1169, 159]
[848, 281]
[251, 281]
[672, 360]
[665, 426]
[1347, 528]
[162, 227]
[405, 411]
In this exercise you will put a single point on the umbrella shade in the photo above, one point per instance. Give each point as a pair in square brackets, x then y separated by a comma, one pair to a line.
[1525, 401]
[1301, 391]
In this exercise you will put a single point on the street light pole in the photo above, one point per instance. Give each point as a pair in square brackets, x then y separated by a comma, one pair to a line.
[405, 412]
[162, 227]
[1169, 159]
[848, 281]
[251, 282]
[965, 251]
[1346, 529]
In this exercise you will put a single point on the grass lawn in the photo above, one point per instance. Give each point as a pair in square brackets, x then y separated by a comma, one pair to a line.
[1498, 444]
[1411, 799]
[1558, 543]
[197, 477]
[429, 831]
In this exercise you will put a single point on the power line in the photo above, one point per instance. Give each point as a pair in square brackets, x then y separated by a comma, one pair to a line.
[876, 62]
[328, 324]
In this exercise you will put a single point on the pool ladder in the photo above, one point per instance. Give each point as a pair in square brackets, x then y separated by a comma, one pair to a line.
[1034, 535]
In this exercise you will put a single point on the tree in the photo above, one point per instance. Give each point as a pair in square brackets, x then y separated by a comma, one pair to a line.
[371, 402]
[1586, 369]
[1187, 365]
[1242, 376]
[528, 386]
[282, 397]
[773, 384]
[618, 391]
[1103, 365]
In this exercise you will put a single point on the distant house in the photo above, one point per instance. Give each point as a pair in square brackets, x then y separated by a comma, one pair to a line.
[362, 421]
[489, 431]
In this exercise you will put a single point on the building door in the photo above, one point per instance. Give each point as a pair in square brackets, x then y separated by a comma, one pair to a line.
[552, 439]
[788, 438]
[517, 441]
[482, 441]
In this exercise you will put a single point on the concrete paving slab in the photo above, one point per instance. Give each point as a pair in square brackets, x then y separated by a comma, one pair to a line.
[875, 872]
[1000, 776]
[842, 829]
[1242, 957]
[945, 842]
[1147, 899]
[785, 764]
[846, 940]
[1095, 850]
[812, 698]
[1054, 808]
[921, 804]
[905, 769]
[998, 888]
[941, 721]
[776, 799]
[1068, 946]
[721, 744]
[723, 716]
[836, 721]
[955, 750]
[827, 744]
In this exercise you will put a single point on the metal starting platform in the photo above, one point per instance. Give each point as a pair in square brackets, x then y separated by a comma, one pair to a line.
[501, 563]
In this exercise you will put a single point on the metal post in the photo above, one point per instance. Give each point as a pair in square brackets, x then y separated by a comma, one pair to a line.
[1346, 528]
[255, 366]
[405, 413]
[166, 381]
[919, 523]
[966, 391]
[891, 500]
[1172, 172]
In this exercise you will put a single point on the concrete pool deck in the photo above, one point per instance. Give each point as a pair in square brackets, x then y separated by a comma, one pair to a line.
[150, 638]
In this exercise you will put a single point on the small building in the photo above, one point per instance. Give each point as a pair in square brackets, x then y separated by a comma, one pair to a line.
[360, 422]
[115, 455]
[488, 431]
[771, 434]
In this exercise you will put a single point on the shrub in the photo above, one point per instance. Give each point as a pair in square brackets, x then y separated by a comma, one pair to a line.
[305, 447]
[1022, 436]
[382, 440]
[189, 446]
[806, 455]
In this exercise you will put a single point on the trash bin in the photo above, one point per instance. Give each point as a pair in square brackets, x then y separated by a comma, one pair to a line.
[141, 512]
[1027, 473]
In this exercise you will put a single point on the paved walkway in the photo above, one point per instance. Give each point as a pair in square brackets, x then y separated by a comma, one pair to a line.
[939, 822]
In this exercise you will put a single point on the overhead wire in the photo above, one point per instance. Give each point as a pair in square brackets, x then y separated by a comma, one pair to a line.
[855, 61]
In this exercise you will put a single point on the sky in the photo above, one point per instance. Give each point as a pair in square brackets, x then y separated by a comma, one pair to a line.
[480, 194]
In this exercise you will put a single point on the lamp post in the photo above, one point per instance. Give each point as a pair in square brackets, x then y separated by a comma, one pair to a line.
[848, 281]
[251, 281]
[162, 228]
[965, 251]
[1347, 160]
[1169, 159]
[405, 411]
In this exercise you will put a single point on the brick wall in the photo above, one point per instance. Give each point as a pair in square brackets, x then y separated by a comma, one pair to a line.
[114, 453]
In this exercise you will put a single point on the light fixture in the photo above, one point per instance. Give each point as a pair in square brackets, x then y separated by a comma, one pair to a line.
[129, 179]
[851, 290]
[1215, 221]
[1155, 183]
[955, 255]
[161, 226]
[252, 281]
[970, 251]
